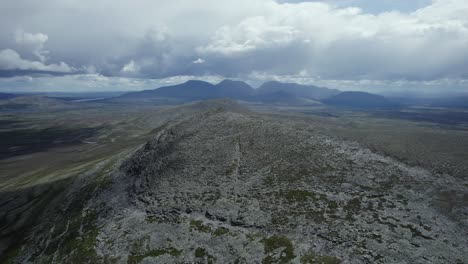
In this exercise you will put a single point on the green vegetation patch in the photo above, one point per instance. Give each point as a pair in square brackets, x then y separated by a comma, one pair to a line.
[199, 226]
[354, 205]
[332, 206]
[80, 240]
[269, 180]
[280, 219]
[203, 254]
[297, 195]
[300, 196]
[278, 242]
[150, 219]
[313, 258]
[220, 231]
[200, 252]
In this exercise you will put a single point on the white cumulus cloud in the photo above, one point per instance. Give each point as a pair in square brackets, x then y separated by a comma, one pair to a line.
[11, 60]
[35, 42]
[198, 61]
[131, 67]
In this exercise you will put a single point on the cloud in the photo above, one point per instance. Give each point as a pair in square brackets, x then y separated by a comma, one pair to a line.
[250, 34]
[11, 60]
[131, 67]
[92, 82]
[35, 42]
[330, 40]
[198, 61]
[303, 77]
[348, 44]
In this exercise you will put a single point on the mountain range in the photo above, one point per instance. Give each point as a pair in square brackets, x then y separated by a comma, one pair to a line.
[269, 92]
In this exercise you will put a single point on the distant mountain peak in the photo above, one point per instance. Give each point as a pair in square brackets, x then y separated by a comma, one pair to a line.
[235, 89]
[195, 82]
[300, 90]
[232, 82]
[226, 81]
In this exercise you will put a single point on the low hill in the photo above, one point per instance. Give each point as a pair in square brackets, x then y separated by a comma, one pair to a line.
[6, 96]
[285, 98]
[453, 102]
[360, 100]
[306, 91]
[32, 102]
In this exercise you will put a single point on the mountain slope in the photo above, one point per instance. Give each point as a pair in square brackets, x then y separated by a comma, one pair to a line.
[33, 102]
[6, 96]
[284, 98]
[306, 91]
[223, 185]
[360, 100]
[190, 90]
[234, 89]
[458, 102]
[197, 90]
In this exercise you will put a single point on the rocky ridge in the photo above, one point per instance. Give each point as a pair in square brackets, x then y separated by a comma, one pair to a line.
[225, 185]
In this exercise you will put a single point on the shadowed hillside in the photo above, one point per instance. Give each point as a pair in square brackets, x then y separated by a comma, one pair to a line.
[306, 91]
[360, 100]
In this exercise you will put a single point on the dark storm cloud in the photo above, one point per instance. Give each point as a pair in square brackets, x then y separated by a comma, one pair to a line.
[336, 40]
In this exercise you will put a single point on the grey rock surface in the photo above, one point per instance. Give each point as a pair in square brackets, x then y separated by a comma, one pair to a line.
[220, 184]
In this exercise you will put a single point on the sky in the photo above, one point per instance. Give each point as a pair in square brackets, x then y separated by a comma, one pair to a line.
[85, 45]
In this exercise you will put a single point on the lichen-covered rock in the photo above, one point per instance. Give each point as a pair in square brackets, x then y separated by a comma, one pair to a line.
[223, 185]
[227, 186]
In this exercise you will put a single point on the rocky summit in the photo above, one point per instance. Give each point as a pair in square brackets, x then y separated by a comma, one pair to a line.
[218, 183]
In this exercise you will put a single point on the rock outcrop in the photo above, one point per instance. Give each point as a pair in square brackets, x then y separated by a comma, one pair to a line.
[224, 185]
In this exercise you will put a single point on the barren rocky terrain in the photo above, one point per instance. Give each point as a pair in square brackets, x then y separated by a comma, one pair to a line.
[218, 183]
